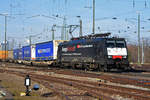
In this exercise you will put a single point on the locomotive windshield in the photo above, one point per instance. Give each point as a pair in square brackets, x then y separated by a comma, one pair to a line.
[120, 44]
[115, 43]
[110, 43]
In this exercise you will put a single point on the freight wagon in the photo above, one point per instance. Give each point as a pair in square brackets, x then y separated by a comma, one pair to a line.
[40, 53]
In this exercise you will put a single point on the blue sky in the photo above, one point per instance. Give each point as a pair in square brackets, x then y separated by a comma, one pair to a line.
[20, 26]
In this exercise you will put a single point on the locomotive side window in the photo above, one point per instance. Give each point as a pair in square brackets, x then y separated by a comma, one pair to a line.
[120, 44]
[110, 43]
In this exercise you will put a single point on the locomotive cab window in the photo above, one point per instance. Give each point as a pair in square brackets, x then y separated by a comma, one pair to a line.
[120, 44]
[110, 43]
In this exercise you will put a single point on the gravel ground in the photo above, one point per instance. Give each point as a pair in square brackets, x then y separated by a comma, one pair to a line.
[12, 86]
[121, 80]
[4, 93]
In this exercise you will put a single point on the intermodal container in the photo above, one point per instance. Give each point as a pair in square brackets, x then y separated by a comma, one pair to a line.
[10, 54]
[33, 53]
[26, 52]
[3, 55]
[20, 54]
[16, 54]
[47, 50]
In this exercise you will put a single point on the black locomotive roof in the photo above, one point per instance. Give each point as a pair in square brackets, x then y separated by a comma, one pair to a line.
[88, 40]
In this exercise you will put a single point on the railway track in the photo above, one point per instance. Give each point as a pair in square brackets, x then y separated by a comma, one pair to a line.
[140, 78]
[39, 80]
[101, 88]
[45, 80]
[105, 85]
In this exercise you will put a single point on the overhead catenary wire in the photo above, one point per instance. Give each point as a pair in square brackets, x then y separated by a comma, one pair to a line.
[58, 5]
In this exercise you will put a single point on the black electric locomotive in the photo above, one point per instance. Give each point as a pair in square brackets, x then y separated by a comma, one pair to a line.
[94, 52]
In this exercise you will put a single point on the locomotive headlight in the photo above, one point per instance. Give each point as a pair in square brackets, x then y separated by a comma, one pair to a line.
[109, 56]
[124, 56]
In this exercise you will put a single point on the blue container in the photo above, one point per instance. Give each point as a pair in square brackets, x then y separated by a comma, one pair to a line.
[44, 51]
[15, 54]
[20, 54]
[26, 52]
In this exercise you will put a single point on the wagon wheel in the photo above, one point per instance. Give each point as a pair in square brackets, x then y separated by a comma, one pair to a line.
[73, 66]
[88, 67]
[62, 65]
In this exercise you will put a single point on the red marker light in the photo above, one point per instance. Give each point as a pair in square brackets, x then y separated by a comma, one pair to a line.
[115, 57]
[78, 46]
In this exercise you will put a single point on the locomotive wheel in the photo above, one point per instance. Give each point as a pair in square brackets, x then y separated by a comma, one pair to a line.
[103, 68]
[127, 68]
[62, 65]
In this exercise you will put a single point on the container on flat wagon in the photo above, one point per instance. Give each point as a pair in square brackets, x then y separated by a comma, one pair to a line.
[15, 54]
[33, 52]
[20, 54]
[3, 55]
[26, 52]
[47, 50]
[10, 54]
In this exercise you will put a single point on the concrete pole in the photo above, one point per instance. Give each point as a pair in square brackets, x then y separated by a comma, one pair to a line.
[30, 40]
[93, 16]
[5, 35]
[13, 44]
[19, 45]
[53, 33]
[139, 39]
[142, 50]
[63, 29]
[80, 27]
[67, 35]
